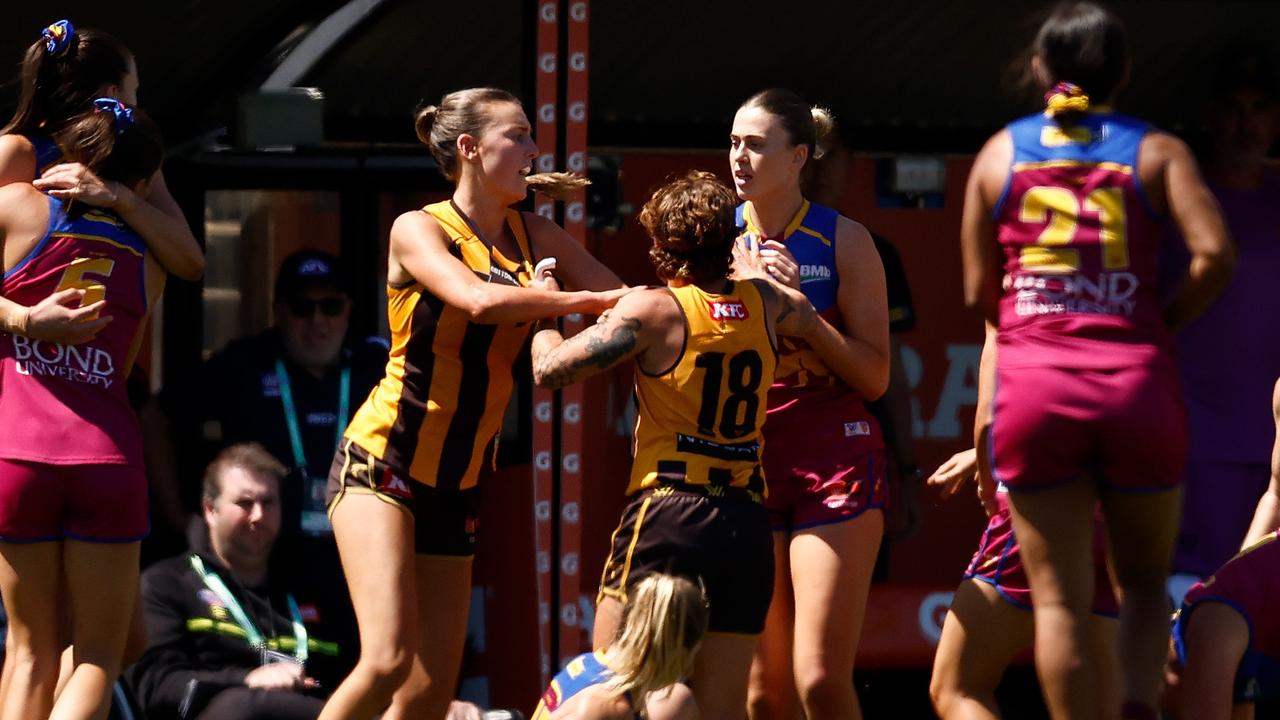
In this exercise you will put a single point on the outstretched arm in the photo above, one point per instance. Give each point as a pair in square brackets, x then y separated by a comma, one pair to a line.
[157, 219]
[420, 252]
[641, 321]
[575, 267]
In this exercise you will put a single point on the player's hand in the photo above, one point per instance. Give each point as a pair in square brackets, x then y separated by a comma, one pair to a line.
[987, 493]
[606, 299]
[59, 318]
[278, 676]
[74, 181]
[779, 264]
[545, 281]
[955, 472]
[745, 263]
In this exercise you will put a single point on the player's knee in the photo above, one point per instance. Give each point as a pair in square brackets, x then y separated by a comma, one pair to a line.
[821, 688]
[763, 704]
[419, 696]
[385, 669]
[1144, 582]
[37, 668]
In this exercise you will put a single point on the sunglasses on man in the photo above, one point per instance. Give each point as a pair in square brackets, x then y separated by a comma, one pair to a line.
[306, 307]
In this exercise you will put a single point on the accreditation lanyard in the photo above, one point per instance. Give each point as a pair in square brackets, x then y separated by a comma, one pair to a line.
[251, 633]
[291, 413]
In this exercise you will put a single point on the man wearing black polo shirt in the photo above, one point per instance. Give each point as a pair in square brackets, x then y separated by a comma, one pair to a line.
[292, 389]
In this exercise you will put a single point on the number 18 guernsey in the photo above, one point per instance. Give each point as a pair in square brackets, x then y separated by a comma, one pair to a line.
[1080, 248]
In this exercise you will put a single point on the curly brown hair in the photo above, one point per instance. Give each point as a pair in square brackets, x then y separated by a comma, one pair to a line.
[691, 222]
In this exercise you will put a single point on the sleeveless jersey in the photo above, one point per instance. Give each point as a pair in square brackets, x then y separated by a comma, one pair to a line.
[448, 379]
[1080, 244]
[47, 152]
[582, 672]
[1250, 583]
[806, 390]
[67, 404]
[699, 422]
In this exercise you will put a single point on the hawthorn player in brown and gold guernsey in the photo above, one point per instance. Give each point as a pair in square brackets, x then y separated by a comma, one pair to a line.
[403, 487]
[705, 357]
[699, 420]
[448, 378]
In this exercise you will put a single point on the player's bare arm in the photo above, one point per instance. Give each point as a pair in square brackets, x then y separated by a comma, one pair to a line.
[640, 321]
[597, 348]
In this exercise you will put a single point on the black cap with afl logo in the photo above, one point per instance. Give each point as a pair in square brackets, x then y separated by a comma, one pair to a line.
[308, 268]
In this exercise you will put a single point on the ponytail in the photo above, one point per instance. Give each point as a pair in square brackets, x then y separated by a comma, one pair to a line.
[462, 112]
[61, 73]
[806, 124]
[1065, 101]
[663, 622]
[557, 185]
[823, 125]
[113, 140]
[1083, 51]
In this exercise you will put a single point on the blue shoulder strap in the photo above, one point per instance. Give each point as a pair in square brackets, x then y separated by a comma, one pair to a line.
[47, 152]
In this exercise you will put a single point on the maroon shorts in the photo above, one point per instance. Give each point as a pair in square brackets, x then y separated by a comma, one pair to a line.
[999, 564]
[1124, 428]
[41, 502]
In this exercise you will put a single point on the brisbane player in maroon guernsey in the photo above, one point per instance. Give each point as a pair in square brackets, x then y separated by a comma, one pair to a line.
[1062, 217]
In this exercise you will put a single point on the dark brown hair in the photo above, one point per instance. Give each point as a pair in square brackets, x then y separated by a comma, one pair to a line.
[54, 88]
[459, 113]
[463, 112]
[1085, 44]
[691, 222]
[805, 124]
[247, 456]
[93, 139]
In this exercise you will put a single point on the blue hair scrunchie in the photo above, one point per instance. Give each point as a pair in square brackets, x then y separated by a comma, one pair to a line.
[123, 113]
[58, 37]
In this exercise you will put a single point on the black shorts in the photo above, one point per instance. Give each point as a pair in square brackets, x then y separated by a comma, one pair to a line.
[723, 541]
[444, 521]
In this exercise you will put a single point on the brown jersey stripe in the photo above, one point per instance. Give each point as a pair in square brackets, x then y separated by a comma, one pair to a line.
[472, 391]
[419, 366]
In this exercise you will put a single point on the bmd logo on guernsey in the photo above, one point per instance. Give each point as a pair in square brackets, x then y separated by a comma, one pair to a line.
[815, 272]
[77, 363]
[722, 310]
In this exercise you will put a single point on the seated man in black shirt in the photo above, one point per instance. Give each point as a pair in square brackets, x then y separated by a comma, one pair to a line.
[292, 388]
[228, 637]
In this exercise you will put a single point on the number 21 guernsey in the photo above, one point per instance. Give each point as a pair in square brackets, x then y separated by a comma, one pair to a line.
[1080, 247]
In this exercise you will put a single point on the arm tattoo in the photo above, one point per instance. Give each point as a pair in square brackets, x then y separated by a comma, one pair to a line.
[601, 352]
[787, 309]
[772, 297]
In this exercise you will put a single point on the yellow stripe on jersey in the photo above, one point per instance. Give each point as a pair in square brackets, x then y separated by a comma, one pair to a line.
[101, 239]
[1062, 163]
[448, 379]
[699, 422]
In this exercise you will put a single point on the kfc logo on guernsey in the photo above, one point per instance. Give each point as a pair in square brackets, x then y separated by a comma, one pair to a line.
[722, 310]
[75, 363]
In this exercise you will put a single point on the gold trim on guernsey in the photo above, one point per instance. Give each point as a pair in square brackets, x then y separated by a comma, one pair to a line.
[1055, 164]
[98, 238]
